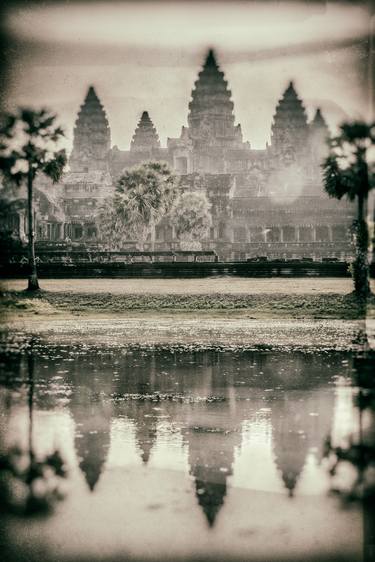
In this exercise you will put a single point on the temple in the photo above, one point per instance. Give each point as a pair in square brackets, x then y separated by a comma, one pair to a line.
[92, 137]
[212, 143]
[266, 202]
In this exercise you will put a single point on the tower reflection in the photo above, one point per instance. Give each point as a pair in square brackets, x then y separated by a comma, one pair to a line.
[208, 397]
[91, 409]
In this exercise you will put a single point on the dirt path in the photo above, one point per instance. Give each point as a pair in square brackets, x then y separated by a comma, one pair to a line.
[227, 285]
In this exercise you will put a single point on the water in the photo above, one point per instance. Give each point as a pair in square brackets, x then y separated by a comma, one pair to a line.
[180, 455]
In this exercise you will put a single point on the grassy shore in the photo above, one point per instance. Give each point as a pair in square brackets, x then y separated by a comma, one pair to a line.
[15, 304]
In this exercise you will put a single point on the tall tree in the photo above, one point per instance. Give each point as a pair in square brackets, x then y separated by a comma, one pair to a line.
[191, 217]
[348, 173]
[144, 194]
[28, 140]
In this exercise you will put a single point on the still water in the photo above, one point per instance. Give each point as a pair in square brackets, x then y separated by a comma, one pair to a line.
[180, 455]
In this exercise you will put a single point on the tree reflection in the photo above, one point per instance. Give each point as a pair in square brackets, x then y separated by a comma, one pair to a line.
[208, 397]
[30, 483]
[359, 452]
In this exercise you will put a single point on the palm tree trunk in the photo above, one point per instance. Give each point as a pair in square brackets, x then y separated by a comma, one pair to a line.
[360, 266]
[33, 284]
[152, 226]
[360, 208]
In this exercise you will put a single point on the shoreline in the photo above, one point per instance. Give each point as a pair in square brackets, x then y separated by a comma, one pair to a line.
[187, 333]
[225, 319]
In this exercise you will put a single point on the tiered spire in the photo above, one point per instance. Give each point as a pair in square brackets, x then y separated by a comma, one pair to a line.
[92, 136]
[319, 135]
[319, 122]
[211, 117]
[290, 128]
[145, 136]
[319, 128]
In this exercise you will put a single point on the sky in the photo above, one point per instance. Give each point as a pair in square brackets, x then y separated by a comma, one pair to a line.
[147, 55]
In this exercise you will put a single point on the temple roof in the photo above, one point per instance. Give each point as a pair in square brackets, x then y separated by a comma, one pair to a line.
[290, 127]
[211, 59]
[91, 94]
[289, 107]
[211, 118]
[91, 116]
[319, 121]
[92, 136]
[211, 87]
[145, 135]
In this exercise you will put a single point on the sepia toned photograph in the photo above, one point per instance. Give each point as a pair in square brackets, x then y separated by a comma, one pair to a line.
[187, 281]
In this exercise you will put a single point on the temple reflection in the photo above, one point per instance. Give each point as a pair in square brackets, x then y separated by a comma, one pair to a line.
[212, 400]
[92, 440]
[290, 438]
[145, 421]
[91, 409]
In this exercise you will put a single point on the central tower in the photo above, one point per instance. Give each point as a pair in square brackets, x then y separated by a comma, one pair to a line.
[211, 118]
[211, 142]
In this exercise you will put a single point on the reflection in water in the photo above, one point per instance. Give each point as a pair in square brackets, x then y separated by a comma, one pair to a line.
[352, 453]
[92, 438]
[290, 439]
[91, 411]
[355, 446]
[29, 483]
[227, 408]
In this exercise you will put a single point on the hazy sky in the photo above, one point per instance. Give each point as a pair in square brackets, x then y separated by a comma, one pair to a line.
[146, 56]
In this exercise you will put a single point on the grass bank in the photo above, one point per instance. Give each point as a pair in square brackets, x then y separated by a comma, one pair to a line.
[14, 304]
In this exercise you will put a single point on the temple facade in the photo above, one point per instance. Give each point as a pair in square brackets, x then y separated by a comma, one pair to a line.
[263, 202]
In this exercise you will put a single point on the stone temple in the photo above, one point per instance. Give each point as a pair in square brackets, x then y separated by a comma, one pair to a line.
[263, 202]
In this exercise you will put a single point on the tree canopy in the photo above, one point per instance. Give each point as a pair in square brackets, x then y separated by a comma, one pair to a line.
[27, 145]
[144, 194]
[347, 172]
[191, 217]
[28, 141]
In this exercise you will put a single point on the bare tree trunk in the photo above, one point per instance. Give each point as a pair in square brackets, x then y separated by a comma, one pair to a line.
[360, 208]
[33, 284]
[360, 266]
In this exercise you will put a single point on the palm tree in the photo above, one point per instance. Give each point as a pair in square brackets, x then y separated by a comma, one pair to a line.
[347, 173]
[144, 194]
[27, 142]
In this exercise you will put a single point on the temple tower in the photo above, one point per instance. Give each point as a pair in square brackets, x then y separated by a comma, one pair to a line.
[92, 136]
[211, 118]
[211, 141]
[319, 135]
[290, 131]
[145, 136]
